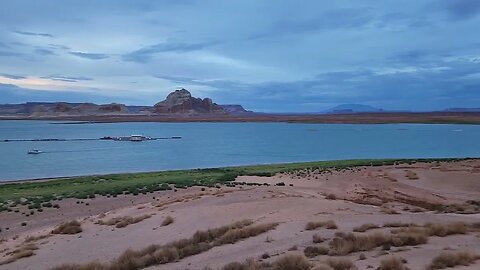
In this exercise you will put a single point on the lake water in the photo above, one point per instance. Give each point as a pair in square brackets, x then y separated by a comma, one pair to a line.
[218, 144]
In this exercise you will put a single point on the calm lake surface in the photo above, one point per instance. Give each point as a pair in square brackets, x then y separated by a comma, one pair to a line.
[217, 144]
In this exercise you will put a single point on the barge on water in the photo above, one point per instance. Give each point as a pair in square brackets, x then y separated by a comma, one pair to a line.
[131, 138]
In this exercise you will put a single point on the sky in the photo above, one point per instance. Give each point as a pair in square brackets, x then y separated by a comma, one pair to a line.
[268, 55]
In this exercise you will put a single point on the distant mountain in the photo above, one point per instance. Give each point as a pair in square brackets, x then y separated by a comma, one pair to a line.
[177, 102]
[62, 109]
[353, 108]
[463, 110]
[234, 109]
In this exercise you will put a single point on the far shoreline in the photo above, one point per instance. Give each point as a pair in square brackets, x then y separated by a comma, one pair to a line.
[470, 118]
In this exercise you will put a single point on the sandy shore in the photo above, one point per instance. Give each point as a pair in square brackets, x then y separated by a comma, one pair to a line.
[419, 193]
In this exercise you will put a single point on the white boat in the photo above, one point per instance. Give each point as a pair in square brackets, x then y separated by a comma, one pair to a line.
[34, 152]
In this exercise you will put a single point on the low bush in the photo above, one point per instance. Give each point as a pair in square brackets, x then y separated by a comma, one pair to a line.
[72, 227]
[392, 263]
[452, 259]
[167, 221]
[340, 264]
[313, 251]
[200, 242]
[365, 227]
[312, 225]
[121, 222]
[317, 239]
[348, 243]
[20, 252]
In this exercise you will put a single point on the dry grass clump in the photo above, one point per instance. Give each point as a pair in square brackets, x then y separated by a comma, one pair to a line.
[313, 251]
[249, 264]
[72, 227]
[292, 262]
[121, 222]
[435, 229]
[35, 238]
[344, 244]
[331, 196]
[446, 229]
[452, 259]
[411, 175]
[392, 263]
[200, 242]
[365, 227]
[388, 211]
[317, 239]
[339, 264]
[312, 225]
[398, 224]
[167, 221]
[464, 208]
[20, 252]
[322, 267]
[287, 262]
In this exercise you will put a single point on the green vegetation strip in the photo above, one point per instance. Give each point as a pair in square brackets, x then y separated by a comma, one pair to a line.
[37, 194]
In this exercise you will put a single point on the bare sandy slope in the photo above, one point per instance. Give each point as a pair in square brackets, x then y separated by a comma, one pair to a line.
[364, 195]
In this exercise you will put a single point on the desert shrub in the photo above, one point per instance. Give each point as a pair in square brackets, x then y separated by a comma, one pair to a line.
[247, 265]
[312, 251]
[287, 262]
[447, 229]
[200, 242]
[398, 224]
[292, 262]
[312, 225]
[20, 252]
[392, 263]
[411, 175]
[121, 222]
[435, 229]
[323, 267]
[167, 221]
[388, 211]
[35, 238]
[72, 227]
[452, 259]
[331, 196]
[365, 227]
[317, 239]
[340, 264]
[348, 243]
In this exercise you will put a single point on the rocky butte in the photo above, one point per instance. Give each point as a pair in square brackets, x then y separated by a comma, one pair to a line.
[181, 101]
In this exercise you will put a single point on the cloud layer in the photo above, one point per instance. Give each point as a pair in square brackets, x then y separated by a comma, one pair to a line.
[267, 55]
